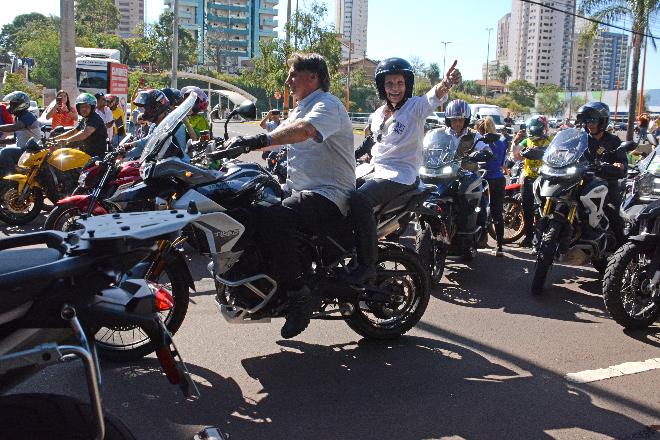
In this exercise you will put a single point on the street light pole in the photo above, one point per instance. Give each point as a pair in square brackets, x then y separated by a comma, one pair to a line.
[444, 57]
[487, 56]
[175, 43]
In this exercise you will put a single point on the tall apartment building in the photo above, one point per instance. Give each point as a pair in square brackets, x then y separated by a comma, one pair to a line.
[228, 29]
[131, 16]
[540, 42]
[502, 49]
[351, 17]
[600, 62]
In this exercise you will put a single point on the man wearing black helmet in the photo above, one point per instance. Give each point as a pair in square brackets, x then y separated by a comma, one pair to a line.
[595, 117]
[398, 130]
[24, 127]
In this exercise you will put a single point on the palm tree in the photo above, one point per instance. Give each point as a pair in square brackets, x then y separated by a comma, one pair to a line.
[503, 73]
[639, 11]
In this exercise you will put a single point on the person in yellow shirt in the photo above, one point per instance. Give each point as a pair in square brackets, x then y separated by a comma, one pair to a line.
[120, 119]
[537, 127]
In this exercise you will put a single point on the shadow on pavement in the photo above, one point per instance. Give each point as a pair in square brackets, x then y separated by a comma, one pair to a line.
[571, 294]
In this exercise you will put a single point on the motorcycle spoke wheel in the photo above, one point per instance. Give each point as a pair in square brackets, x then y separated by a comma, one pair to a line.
[514, 223]
[19, 212]
[401, 273]
[629, 296]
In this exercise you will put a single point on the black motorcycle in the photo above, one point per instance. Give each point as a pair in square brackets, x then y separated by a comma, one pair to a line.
[452, 222]
[246, 293]
[573, 226]
[57, 296]
[631, 286]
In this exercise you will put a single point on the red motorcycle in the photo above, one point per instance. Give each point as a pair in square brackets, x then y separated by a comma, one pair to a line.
[96, 183]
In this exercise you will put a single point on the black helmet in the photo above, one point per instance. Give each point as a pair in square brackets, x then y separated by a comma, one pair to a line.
[154, 103]
[594, 111]
[390, 66]
[173, 95]
[18, 102]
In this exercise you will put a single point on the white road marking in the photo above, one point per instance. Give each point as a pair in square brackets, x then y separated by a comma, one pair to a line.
[623, 369]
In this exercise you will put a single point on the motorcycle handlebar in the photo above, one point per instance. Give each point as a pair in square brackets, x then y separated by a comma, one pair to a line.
[229, 153]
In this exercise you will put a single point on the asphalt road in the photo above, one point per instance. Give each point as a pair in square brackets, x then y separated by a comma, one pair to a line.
[487, 361]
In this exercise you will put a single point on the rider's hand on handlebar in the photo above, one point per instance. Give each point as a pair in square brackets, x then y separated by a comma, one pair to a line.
[248, 143]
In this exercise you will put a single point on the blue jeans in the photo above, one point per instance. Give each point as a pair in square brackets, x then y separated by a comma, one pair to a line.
[8, 158]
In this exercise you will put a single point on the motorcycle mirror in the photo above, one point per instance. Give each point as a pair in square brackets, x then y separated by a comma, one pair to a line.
[490, 138]
[247, 110]
[628, 146]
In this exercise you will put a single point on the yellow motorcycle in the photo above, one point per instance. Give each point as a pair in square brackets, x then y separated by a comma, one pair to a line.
[40, 173]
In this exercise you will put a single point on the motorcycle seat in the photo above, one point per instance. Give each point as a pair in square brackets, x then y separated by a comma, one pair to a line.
[17, 259]
[404, 200]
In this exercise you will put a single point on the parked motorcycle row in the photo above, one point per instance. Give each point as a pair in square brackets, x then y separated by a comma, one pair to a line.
[123, 226]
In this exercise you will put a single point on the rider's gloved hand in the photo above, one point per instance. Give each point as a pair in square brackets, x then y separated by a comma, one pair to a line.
[248, 143]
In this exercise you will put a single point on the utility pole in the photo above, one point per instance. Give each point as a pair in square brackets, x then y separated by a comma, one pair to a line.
[175, 43]
[285, 103]
[487, 56]
[641, 94]
[68, 49]
[348, 66]
[444, 58]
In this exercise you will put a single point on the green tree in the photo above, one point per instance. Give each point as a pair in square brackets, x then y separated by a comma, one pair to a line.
[433, 73]
[46, 54]
[577, 101]
[522, 92]
[95, 16]
[639, 13]
[13, 35]
[469, 87]
[16, 81]
[310, 33]
[503, 73]
[549, 99]
[155, 47]
[269, 68]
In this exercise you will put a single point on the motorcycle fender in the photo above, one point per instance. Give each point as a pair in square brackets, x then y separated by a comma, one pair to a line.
[81, 201]
[20, 179]
[652, 239]
[551, 189]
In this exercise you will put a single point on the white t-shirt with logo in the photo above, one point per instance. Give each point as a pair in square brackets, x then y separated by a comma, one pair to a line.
[398, 155]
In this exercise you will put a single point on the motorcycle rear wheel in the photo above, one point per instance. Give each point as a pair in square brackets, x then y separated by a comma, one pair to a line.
[399, 270]
[17, 213]
[130, 344]
[546, 255]
[53, 417]
[626, 284]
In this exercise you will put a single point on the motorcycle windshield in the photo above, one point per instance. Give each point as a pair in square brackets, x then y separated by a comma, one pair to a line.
[437, 154]
[165, 129]
[651, 164]
[566, 148]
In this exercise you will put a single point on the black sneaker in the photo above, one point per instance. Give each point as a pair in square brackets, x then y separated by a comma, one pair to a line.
[301, 305]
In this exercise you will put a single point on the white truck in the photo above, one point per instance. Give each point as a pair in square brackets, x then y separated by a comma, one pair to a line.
[480, 111]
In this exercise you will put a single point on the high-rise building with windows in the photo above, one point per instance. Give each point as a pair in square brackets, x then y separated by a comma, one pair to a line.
[228, 31]
[502, 49]
[351, 18]
[539, 45]
[131, 15]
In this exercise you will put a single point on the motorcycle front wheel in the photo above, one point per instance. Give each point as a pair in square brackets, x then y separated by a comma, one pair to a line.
[399, 271]
[627, 290]
[432, 253]
[63, 218]
[14, 211]
[546, 255]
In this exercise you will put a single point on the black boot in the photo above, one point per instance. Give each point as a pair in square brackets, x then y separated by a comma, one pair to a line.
[302, 303]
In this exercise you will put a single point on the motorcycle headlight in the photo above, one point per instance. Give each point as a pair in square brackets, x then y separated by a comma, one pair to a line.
[24, 157]
[648, 187]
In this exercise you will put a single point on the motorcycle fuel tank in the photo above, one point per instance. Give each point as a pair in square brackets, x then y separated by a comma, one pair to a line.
[67, 159]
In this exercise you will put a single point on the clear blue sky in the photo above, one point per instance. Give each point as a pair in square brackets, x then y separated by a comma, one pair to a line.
[400, 28]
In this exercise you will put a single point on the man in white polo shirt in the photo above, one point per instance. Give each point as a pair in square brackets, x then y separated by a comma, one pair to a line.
[321, 175]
